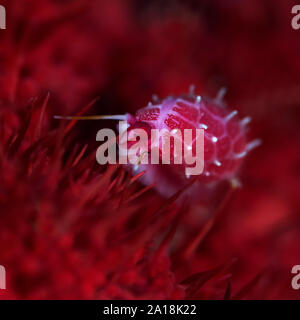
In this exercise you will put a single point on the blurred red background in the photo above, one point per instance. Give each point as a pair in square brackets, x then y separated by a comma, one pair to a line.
[71, 229]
